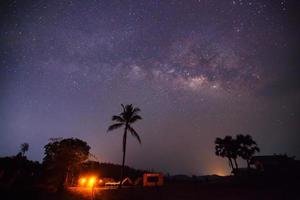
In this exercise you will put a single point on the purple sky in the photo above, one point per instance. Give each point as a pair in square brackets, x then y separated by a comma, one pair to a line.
[197, 69]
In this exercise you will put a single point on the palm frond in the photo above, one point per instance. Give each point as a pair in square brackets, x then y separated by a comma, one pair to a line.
[129, 107]
[135, 134]
[117, 118]
[136, 110]
[135, 118]
[123, 108]
[114, 126]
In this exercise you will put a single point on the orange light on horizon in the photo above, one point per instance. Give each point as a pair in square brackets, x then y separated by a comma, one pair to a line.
[82, 181]
[221, 172]
[218, 170]
[92, 181]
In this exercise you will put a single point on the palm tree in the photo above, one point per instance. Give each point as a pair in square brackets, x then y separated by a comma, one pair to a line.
[24, 148]
[228, 148]
[223, 151]
[125, 119]
[247, 147]
[234, 148]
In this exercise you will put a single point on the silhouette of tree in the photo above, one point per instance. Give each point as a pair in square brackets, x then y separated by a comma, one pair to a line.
[247, 147]
[234, 151]
[228, 148]
[125, 119]
[61, 156]
[18, 172]
[24, 148]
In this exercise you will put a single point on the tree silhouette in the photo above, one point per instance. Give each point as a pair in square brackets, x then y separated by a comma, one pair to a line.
[24, 148]
[247, 147]
[125, 119]
[242, 146]
[228, 148]
[61, 156]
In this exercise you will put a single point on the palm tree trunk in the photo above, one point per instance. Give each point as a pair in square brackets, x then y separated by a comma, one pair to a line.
[248, 163]
[124, 153]
[236, 165]
[230, 164]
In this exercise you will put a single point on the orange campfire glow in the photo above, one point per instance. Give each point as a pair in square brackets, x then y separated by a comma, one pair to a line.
[87, 181]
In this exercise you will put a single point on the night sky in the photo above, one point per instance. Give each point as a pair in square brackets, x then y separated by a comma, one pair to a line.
[197, 69]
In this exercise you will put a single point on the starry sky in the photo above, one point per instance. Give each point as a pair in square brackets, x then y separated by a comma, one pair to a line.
[197, 69]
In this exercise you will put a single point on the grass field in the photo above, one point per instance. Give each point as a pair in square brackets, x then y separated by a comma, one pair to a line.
[190, 191]
[170, 191]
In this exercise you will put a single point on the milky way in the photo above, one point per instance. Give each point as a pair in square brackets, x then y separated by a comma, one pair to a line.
[197, 69]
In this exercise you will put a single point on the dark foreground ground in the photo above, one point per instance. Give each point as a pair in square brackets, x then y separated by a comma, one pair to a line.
[182, 191]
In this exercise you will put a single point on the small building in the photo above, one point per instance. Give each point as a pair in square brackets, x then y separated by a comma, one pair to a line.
[271, 162]
[276, 165]
[153, 179]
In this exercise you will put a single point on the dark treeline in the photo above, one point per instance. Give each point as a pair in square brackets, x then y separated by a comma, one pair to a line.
[18, 171]
[64, 162]
[110, 170]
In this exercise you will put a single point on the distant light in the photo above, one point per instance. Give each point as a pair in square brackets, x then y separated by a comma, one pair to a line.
[82, 181]
[221, 172]
[92, 181]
